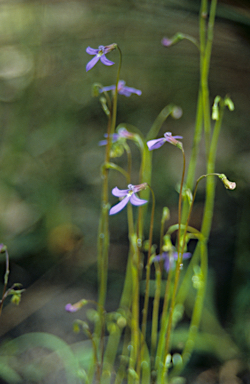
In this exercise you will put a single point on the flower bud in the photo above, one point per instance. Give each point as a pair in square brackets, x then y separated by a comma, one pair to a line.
[228, 102]
[228, 184]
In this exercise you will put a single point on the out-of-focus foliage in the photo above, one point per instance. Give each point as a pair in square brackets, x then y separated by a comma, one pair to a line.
[50, 126]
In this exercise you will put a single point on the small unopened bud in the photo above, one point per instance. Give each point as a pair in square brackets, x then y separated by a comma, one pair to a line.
[121, 322]
[110, 47]
[173, 40]
[104, 105]
[165, 214]
[116, 150]
[95, 90]
[16, 298]
[75, 307]
[3, 248]
[167, 243]
[228, 102]
[176, 112]
[215, 108]
[228, 184]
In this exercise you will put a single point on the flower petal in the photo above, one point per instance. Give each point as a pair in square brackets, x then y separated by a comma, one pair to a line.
[118, 207]
[186, 255]
[106, 89]
[166, 42]
[92, 62]
[164, 256]
[167, 263]
[92, 51]
[119, 192]
[158, 258]
[103, 142]
[105, 61]
[121, 84]
[135, 200]
[127, 91]
[155, 144]
[70, 308]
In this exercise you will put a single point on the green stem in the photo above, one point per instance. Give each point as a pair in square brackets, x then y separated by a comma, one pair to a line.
[146, 297]
[194, 155]
[114, 110]
[6, 278]
[169, 320]
[210, 188]
[179, 262]
[134, 354]
[155, 315]
[103, 234]
[197, 312]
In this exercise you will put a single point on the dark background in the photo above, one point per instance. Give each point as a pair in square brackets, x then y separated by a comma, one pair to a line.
[50, 183]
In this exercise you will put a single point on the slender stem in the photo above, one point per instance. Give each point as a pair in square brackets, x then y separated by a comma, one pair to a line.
[158, 272]
[125, 303]
[159, 358]
[178, 266]
[194, 155]
[114, 111]
[134, 354]
[146, 297]
[155, 315]
[204, 73]
[127, 149]
[103, 232]
[179, 203]
[169, 320]
[203, 98]
[125, 351]
[6, 278]
[210, 188]
[196, 316]
[210, 33]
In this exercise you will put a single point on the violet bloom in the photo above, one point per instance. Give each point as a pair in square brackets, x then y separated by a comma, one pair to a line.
[115, 137]
[155, 144]
[99, 53]
[169, 259]
[127, 195]
[166, 42]
[122, 133]
[122, 89]
[70, 308]
[75, 307]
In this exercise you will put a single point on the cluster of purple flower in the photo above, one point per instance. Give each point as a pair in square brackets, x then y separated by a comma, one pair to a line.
[130, 194]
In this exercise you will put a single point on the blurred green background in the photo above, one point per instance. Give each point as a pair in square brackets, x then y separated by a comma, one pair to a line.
[50, 125]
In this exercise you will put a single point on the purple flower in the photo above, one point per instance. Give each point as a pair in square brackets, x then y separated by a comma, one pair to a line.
[99, 53]
[155, 144]
[122, 133]
[75, 307]
[70, 308]
[166, 42]
[127, 195]
[122, 89]
[115, 137]
[169, 259]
